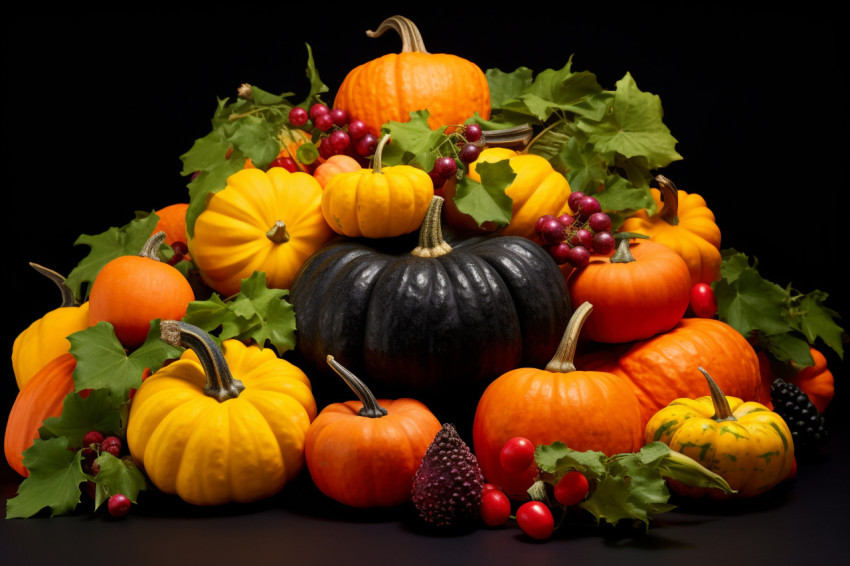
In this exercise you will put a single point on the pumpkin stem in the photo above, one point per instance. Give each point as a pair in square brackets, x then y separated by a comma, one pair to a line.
[518, 136]
[370, 408]
[722, 410]
[221, 385]
[68, 299]
[562, 362]
[379, 150]
[623, 254]
[151, 248]
[431, 242]
[411, 39]
[278, 233]
[670, 197]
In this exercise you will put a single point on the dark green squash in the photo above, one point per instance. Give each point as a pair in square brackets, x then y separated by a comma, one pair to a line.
[438, 317]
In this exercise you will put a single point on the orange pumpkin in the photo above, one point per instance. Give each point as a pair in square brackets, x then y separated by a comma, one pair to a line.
[643, 289]
[816, 381]
[451, 88]
[587, 410]
[130, 291]
[40, 398]
[334, 165]
[684, 224]
[660, 369]
[172, 221]
[365, 453]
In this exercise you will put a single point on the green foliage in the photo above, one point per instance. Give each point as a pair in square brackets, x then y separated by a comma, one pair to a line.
[54, 481]
[486, 201]
[98, 411]
[117, 475]
[782, 320]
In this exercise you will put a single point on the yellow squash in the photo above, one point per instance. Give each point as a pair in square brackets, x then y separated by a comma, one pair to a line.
[220, 425]
[261, 221]
[684, 224]
[745, 443]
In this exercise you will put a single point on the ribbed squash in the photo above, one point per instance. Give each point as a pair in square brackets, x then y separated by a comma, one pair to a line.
[261, 221]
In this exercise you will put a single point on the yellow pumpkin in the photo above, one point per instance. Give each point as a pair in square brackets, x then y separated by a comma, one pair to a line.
[381, 202]
[745, 443]
[220, 425]
[46, 338]
[537, 190]
[261, 221]
[685, 224]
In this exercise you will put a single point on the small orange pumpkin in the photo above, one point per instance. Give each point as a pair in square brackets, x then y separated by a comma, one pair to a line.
[172, 221]
[334, 165]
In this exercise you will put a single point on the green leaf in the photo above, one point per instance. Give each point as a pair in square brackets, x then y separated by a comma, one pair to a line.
[752, 303]
[564, 90]
[316, 85]
[54, 481]
[256, 138]
[117, 475]
[507, 86]
[262, 98]
[98, 411]
[103, 363]
[487, 201]
[413, 142]
[106, 246]
[817, 321]
[209, 182]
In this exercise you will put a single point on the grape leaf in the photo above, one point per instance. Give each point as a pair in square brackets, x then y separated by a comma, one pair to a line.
[98, 411]
[487, 201]
[117, 475]
[106, 246]
[505, 87]
[567, 91]
[103, 363]
[817, 321]
[54, 481]
[413, 142]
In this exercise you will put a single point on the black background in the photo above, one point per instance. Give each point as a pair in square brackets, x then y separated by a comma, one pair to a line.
[99, 106]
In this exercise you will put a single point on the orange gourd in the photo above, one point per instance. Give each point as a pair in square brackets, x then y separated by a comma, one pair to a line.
[660, 369]
[172, 221]
[451, 88]
[39, 399]
[131, 291]
[643, 289]
[587, 410]
[684, 224]
[334, 165]
[365, 453]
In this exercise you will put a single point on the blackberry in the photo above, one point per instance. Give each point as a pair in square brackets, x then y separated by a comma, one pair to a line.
[448, 484]
[807, 425]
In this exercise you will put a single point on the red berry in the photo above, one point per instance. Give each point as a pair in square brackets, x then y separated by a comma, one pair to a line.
[489, 486]
[366, 145]
[703, 301]
[94, 437]
[436, 179]
[539, 224]
[560, 252]
[582, 237]
[578, 257]
[495, 508]
[298, 116]
[339, 116]
[572, 488]
[317, 110]
[339, 140]
[285, 162]
[599, 222]
[603, 243]
[445, 167]
[572, 200]
[552, 231]
[517, 455]
[535, 520]
[588, 206]
[118, 505]
[111, 444]
[357, 129]
[472, 132]
[566, 220]
[469, 153]
[323, 121]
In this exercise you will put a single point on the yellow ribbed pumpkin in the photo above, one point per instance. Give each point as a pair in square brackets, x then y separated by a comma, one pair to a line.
[220, 425]
[261, 221]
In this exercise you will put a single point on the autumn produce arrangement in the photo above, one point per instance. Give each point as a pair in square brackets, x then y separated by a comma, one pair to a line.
[472, 296]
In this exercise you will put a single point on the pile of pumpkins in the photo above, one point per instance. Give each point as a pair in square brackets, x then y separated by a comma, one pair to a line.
[388, 287]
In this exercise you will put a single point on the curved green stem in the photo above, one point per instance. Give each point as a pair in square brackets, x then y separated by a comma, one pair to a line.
[411, 39]
[370, 408]
[722, 410]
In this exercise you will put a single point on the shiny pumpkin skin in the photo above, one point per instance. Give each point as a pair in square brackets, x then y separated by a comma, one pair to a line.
[40, 398]
[46, 339]
[209, 452]
[634, 300]
[537, 190]
[375, 203]
[661, 369]
[411, 324]
[587, 410]
[696, 237]
[230, 239]
[369, 462]
[753, 453]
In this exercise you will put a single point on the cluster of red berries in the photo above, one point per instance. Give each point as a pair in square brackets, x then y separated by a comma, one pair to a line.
[533, 517]
[570, 238]
[339, 135]
[463, 145]
[94, 444]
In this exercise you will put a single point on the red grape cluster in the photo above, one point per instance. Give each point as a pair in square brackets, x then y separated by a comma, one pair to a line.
[533, 517]
[94, 444]
[465, 138]
[570, 238]
[338, 133]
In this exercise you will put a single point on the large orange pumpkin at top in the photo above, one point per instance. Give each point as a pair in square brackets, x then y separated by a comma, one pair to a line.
[390, 87]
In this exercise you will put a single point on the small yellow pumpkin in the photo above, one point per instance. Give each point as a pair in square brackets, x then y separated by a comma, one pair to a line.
[220, 425]
[261, 221]
[381, 202]
[745, 443]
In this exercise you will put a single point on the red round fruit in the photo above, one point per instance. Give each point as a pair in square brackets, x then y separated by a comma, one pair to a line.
[535, 520]
[92, 437]
[469, 153]
[323, 121]
[517, 455]
[317, 110]
[118, 505]
[559, 252]
[285, 162]
[472, 132]
[111, 444]
[340, 117]
[703, 301]
[490, 486]
[357, 129]
[572, 488]
[572, 200]
[495, 508]
[298, 116]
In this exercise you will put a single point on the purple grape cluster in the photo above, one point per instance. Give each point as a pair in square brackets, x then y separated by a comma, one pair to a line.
[570, 238]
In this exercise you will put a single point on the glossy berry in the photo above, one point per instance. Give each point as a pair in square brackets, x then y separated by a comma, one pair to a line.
[93, 437]
[587, 207]
[582, 237]
[572, 488]
[490, 486]
[111, 444]
[445, 167]
[472, 132]
[703, 301]
[495, 508]
[517, 455]
[118, 505]
[578, 257]
[552, 231]
[339, 116]
[317, 110]
[572, 200]
[366, 145]
[285, 162]
[566, 220]
[357, 129]
[604, 243]
[535, 520]
[539, 223]
[436, 179]
[339, 140]
[298, 116]
[324, 122]
[559, 252]
[469, 153]
[599, 222]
